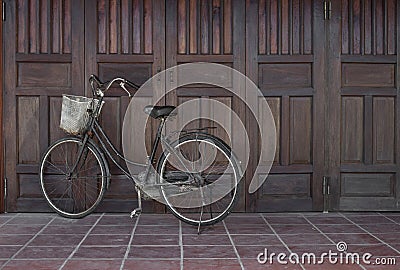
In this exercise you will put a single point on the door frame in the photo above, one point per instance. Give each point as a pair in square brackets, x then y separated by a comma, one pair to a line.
[1, 117]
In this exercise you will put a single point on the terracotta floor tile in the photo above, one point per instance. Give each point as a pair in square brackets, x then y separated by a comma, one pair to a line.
[223, 252]
[88, 220]
[157, 230]
[112, 230]
[152, 264]
[93, 264]
[18, 229]
[251, 252]
[194, 239]
[286, 220]
[14, 239]
[57, 240]
[7, 252]
[4, 219]
[256, 240]
[168, 239]
[338, 228]
[391, 238]
[253, 264]
[381, 228]
[316, 249]
[249, 229]
[354, 238]
[375, 250]
[123, 220]
[155, 252]
[328, 220]
[244, 220]
[305, 239]
[294, 229]
[45, 253]
[189, 264]
[65, 229]
[89, 252]
[370, 219]
[33, 264]
[31, 220]
[158, 220]
[106, 240]
[214, 229]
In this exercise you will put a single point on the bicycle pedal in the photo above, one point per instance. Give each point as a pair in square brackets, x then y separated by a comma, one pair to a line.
[136, 212]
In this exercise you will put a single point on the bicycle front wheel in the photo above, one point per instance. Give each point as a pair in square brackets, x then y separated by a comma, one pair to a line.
[73, 194]
[199, 179]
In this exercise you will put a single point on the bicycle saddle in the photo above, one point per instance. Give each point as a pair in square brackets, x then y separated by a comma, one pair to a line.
[158, 111]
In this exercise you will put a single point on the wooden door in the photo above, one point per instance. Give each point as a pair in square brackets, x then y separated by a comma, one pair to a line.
[363, 137]
[124, 38]
[285, 57]
[207, 31]
[44, 57]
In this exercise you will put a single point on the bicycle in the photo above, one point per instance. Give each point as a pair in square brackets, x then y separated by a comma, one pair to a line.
[74, 172]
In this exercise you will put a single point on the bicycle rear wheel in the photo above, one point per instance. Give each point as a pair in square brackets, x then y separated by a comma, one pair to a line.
[73, 194]
[203, 189]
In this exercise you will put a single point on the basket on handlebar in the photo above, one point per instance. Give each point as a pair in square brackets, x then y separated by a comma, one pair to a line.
[75, 113]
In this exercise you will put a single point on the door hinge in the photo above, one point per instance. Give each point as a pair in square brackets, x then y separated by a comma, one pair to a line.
[326, 192]
[3, 9]
[327, 9]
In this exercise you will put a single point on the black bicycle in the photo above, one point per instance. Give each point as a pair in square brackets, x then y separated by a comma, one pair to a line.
[196, 175]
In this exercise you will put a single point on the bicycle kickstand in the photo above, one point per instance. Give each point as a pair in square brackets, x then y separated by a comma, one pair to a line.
[137, 211]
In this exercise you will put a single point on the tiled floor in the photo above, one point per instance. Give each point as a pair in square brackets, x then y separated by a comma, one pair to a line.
[108, 241]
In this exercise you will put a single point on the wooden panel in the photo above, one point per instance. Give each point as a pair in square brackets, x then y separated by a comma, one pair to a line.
[383, 130]
[363, 185]
[29, 186]
[54, 118]
[284, 75]
[352, 130]
[275, 106]
[28, 130]
[125, 27]
[368, 27]
[300, 130]
[44, 74]
[284, 27]
[138, 73]
[374, 75]
[44, 26]
[204, 27]
[287, 184]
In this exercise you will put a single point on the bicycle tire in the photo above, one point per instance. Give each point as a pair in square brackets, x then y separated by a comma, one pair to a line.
[84, 188]
[186, 214]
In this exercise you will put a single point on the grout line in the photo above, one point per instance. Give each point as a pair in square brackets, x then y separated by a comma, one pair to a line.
[26, 244]
[128, 248]
[380, 240]
[330, 239]
[80, 243]
[181, 243]
[388, 218]
[280, 239]
[6, 223]
[233, 245]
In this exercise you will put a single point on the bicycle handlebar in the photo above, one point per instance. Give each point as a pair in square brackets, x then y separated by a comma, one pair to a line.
[98, 90]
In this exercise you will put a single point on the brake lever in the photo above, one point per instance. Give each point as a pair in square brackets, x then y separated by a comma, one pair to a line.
[122, 85]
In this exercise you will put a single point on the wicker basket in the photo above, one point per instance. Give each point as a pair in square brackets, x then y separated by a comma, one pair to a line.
[74, 113]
